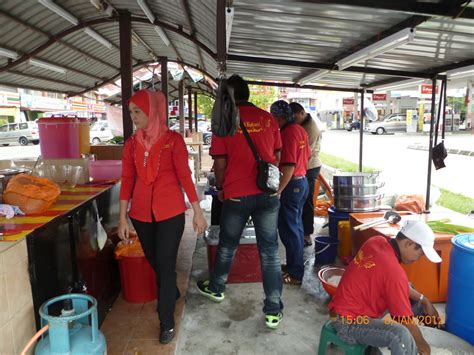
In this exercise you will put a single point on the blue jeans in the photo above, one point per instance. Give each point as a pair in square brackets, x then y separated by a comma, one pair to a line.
[308, 209]
[264, 211]
[379, 334]
[290, 225]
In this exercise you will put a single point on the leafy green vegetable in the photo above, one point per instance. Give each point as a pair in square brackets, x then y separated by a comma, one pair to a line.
[443, 226]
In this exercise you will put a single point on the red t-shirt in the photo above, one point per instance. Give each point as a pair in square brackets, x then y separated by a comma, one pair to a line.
[165, 195]
[241, 173]
[373, 283]
[295, 149]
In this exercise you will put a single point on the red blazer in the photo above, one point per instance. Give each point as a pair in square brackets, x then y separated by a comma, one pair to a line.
[165, 195]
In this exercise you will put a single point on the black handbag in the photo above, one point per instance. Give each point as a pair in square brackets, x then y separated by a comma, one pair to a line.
[268, 175]
[439, 152]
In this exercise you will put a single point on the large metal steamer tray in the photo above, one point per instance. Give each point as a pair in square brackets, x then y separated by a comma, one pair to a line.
[355, 179]
[369, 203]
[357, 192]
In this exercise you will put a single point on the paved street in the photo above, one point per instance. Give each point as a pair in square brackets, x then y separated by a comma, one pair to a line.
[405, 170]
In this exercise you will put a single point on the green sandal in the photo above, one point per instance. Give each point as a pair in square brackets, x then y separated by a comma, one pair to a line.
[272, 320]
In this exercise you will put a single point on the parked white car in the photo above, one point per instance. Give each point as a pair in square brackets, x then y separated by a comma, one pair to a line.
[19, 132]
[100, 132]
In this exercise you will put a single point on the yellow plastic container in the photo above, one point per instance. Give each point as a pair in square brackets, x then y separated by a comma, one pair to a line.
[84, 136]
[345, 242]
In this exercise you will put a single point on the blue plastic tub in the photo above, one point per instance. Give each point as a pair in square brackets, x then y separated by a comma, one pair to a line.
[460, 301]
[325, 249]
[334, 217]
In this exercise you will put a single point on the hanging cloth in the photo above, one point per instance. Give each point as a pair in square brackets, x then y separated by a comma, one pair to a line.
[225, 114]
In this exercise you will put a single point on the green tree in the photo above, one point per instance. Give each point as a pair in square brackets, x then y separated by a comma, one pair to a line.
[205, 104]
[263, 96]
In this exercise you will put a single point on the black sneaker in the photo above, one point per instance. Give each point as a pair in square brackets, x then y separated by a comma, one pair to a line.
[166, 336]
[203, 288]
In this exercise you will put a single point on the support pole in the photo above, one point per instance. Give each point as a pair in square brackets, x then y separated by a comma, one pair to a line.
[125, 29]
[221, 34]
[164, 83]
[430, 146]
[181, 106]
[196, 110]
[190, 109]
[361, 129]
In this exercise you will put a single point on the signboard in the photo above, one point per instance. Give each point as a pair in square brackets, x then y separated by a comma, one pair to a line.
[421, 113]
[347, 101]
[379, 97]
[42, 102]
[427, 89]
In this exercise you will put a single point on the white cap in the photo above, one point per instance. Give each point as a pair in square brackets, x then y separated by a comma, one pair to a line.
[421, 234]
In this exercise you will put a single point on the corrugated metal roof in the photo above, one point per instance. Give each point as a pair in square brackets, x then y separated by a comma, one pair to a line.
[285, 40]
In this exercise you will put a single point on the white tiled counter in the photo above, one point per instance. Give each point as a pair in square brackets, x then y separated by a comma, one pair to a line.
[17, 319]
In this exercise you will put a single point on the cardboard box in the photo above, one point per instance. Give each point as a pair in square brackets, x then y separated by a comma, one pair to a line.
[107, 152]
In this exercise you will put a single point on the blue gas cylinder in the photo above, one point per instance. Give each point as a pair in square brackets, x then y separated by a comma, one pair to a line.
[71, 332]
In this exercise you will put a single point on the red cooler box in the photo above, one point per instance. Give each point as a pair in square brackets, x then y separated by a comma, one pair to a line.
[246, 263]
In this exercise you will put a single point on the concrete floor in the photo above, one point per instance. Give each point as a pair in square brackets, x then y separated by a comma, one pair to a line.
[236, 326]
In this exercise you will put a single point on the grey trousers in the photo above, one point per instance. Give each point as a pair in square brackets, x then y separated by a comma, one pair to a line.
[377, 333]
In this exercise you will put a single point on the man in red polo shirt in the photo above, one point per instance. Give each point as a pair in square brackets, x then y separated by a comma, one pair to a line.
[374, 283]
[294, 190]
[236, 175]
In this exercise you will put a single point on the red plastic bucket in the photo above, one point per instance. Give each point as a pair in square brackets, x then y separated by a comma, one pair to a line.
[138, 279]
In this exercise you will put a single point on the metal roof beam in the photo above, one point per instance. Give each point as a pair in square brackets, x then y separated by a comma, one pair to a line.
[444, 68]
[30, 87]
[315, 65]
[453, 9]
[113, 78]
[54, 80]
[67, 45]
[387, 82]
[411, 22]
[187, 14]
[313, 87]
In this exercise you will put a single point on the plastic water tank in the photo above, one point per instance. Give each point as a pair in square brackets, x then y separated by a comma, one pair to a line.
[59, 137]
[460, 301]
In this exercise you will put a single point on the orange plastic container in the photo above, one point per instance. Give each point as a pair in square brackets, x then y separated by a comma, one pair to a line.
[429, 278]
[344, 249]
[84, 136]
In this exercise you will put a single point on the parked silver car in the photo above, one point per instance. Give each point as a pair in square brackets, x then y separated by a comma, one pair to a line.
[395, 122]
[19, 132]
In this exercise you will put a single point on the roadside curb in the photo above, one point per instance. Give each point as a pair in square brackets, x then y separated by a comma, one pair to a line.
[450, 151]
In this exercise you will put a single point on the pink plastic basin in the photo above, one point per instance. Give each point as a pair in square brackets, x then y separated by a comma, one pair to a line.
[100, 170]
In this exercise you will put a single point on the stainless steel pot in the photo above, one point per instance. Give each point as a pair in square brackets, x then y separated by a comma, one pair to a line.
[355, 179]
[357, 190]
[367, 203]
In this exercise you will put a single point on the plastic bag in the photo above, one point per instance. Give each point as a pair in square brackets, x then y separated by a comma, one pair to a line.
[32, 194]
[413, 203]
[130, 248]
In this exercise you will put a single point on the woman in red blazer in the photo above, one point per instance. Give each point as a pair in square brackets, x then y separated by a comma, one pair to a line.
[155, 171]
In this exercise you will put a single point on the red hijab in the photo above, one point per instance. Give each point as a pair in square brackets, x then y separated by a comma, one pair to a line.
[153, 104]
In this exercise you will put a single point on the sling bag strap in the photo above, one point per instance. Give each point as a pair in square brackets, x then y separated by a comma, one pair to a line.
[249, 141]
